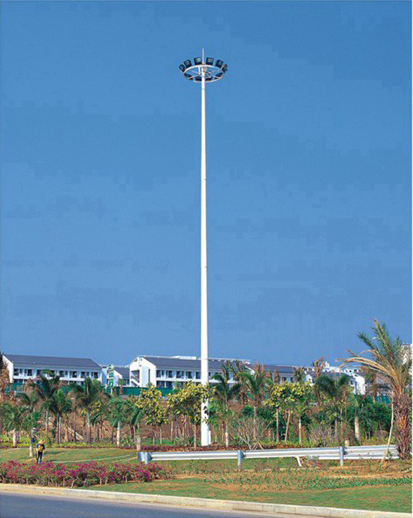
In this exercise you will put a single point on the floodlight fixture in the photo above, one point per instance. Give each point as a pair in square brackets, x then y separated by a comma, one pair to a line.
[204, 71]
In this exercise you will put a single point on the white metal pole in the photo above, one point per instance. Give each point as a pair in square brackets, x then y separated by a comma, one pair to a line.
[205, 433]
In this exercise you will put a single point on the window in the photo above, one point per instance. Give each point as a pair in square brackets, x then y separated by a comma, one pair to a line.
[83, 374]
[160, 384]
[168, 384]
[16, 372]
[73, 374]
[179, 374]
[29, 372]
[198, 375]
[61, 374]
[169, 374]
[95, 375]
[160, 374]
[189, 375]
[284, 379]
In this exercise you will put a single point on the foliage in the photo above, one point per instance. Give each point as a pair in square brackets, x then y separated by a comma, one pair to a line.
[392, 361]
[78, 474]
[150, 405]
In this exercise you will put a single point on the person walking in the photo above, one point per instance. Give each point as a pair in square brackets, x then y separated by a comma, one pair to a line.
[40, 447]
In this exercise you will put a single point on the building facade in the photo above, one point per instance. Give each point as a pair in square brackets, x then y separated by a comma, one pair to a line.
[168, 371]
[23, 367]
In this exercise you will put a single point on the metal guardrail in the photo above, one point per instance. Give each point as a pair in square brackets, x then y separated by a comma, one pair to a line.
[335, 453]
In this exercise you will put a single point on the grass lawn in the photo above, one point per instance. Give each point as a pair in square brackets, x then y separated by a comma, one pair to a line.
[67, 455]
[380, 498]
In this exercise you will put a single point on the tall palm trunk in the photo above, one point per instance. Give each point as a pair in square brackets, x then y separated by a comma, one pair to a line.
[138, 440]
[15, 438]
[402, 416]
[277, 421]
[88, 427]
[226, 435]
[58, 429]
[47, 424]
[254, 432]
[118, 435]
[287, 426]
[194, 429]
[357, 427]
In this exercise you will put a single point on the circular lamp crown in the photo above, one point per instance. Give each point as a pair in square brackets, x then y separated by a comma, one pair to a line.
[203, 68]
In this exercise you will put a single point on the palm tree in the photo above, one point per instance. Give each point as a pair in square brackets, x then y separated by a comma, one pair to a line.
[299, 374]
[224, 392]
[86, 395]
[46, 387]
[254, 386]
[60, 405]
[318, 366]
[391, 361]
[274, 379]
[370, 377]
[134, 417]
[28, 401]
[117, 415]
[337, 391]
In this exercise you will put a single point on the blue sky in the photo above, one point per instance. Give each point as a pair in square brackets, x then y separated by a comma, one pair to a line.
[308, 141]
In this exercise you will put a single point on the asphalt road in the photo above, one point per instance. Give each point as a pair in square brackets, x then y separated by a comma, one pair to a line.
[41, 506]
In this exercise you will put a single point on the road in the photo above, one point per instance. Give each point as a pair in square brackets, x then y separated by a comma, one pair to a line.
[42, 506]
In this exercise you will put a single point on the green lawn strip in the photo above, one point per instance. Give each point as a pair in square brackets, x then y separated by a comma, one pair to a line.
[67, 455]
[380, 498]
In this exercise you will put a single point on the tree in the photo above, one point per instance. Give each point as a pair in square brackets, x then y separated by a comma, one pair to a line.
[134, 417]
[16, 418]
[255, 385]
[337, 391]
[391, 361]
[117, 415]
[86, 395]
[187, 402]
[291, 397]
[371, 380]
[318, 366]
[60, 406]
[153, 412]
[46, 387]
[299, 374]
[223, 392]
[28, 401]
[275, 380]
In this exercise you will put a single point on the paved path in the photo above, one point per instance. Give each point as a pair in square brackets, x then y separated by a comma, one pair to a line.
[42, 506]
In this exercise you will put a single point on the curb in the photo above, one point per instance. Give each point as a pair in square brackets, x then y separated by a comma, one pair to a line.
[201, 503]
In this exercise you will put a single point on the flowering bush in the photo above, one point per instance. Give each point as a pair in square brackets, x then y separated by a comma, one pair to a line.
[78, 474]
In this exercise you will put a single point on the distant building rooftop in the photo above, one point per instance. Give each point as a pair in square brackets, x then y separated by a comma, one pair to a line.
[186, 362]
[51, 361]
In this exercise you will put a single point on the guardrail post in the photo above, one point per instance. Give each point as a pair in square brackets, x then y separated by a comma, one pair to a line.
[240, 456]
[144, 456]
[341, 452]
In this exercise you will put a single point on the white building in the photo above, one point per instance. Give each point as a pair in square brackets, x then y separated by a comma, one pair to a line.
[120, 373]
[357, 380]
[23, 367]
[166, 371]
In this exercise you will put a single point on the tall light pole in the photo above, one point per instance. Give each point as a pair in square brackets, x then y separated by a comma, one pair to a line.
[203, 71]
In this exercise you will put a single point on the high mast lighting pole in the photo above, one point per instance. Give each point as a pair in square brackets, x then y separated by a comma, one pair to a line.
[204, 71]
